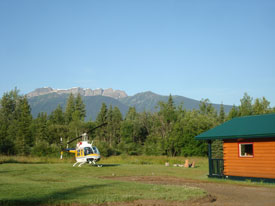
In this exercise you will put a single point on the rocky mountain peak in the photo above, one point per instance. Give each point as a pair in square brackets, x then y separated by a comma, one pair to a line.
[117, 94]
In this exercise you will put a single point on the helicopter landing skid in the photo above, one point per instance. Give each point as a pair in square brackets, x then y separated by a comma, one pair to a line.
[79, 164]
[94, 164]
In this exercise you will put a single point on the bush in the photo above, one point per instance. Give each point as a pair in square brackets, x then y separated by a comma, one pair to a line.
[44, 149]
[105, 150]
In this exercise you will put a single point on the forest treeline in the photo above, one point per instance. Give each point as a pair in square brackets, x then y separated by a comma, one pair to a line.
[170, 131]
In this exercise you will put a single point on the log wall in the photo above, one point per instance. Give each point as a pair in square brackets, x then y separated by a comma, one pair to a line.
[261, 165]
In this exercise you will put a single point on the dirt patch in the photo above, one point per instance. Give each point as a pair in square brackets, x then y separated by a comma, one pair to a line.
[160, 202]
[145, 203]
[218, 193]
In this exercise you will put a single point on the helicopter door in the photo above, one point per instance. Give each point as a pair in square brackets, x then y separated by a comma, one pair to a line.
[77, 154]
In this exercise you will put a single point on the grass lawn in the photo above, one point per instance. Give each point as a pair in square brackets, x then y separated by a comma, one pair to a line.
[29, 181]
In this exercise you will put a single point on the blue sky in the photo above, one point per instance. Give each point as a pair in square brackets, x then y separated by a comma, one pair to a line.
[196, 48]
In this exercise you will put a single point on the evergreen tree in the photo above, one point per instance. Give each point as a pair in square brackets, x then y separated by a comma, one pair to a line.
[6, 142]
[57, 116]
[101, 118]
[207, 108]
[131, 114]
[70, 108]
[24, 139]
[80, 108]
[9, 121]
[117, 119]
[168, 110]
[114, 119]
[41, 128]
[102, 115]
[221, 114]
[234, 112]
[110, 128]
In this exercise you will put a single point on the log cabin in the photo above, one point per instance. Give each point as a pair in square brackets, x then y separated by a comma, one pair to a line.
[248, 148]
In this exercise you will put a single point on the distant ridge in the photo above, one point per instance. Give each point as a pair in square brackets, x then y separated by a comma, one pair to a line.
[47, 100]
[147, 101]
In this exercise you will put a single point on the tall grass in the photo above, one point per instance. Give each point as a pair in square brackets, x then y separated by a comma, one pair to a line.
[153, 160]
[122, 159]
[31, 159]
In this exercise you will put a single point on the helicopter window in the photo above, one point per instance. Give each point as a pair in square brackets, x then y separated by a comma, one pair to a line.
[78, 152]
[95, 150]
[88, 150]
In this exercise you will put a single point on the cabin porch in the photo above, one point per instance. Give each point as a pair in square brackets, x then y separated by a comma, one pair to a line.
[216, 165]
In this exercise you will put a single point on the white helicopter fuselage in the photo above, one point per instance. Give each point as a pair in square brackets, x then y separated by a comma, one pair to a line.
[85, 153]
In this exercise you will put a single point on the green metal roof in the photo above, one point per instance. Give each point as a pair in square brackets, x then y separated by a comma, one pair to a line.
[242, 127]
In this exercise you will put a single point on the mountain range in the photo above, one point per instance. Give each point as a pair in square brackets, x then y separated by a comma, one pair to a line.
[47, 99]
[84, 92]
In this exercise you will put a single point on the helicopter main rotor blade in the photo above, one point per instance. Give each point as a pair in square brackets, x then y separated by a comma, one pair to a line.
[87, 132]
[74, 139]
[101, 125]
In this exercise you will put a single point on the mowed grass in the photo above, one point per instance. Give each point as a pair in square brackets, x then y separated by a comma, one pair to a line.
[38, 182]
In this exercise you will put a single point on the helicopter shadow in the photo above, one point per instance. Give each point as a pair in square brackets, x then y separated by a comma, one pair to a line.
[108, 165]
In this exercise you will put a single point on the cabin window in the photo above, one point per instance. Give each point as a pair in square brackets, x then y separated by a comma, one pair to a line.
[78, 152]
[246, 150]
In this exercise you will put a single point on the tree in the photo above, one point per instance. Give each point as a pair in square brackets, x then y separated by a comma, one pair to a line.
[116, 124]
[131, 114]
[101, 118]
[193, 124]
[246, 108]
[80, 108]
[261, 106]
[234, 112]
[24, 139]
[221, 114]
[57, 116]
[102, 115]
[70, 108]
[207, 108]
[9, 113]
[6, 142]
[168, 110]
[41, 128]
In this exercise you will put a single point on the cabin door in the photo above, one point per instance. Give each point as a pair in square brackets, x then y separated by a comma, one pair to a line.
[217, 167]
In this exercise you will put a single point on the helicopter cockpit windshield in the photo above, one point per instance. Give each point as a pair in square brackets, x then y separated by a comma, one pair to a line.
[95, 150]
[88, 150]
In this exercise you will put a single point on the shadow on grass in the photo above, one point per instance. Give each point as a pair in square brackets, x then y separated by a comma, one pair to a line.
[54, 198]
[110, 165]
[106, 165]
[21, 162]
[9, 171]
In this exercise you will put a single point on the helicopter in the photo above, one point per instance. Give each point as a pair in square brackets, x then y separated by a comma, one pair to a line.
[84, 152]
